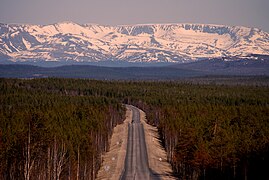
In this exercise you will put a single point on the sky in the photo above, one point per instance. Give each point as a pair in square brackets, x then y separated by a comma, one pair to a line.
[250, 13]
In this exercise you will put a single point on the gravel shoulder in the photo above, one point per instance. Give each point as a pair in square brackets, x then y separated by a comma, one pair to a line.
[156, 153]
[113, 160]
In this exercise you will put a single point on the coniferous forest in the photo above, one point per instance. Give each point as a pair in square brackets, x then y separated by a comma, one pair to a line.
[58, 128]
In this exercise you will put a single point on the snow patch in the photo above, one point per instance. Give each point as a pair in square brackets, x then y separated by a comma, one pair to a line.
[26, 43]
[152, 42]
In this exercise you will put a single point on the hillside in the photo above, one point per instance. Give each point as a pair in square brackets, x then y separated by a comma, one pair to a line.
[150, 43]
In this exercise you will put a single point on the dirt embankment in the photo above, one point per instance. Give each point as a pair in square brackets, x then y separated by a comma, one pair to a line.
[156, 153]
[113, 160]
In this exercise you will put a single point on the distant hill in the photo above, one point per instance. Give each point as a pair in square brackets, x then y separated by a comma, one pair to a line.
[212, 67]
[230, 66]
[96, 72]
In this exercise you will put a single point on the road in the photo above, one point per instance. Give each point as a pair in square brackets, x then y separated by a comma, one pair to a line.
[136, 161]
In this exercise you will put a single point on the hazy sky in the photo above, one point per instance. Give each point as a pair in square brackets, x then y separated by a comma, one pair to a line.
[251, 13]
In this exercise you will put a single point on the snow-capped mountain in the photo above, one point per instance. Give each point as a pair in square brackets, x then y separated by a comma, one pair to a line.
[68, 41]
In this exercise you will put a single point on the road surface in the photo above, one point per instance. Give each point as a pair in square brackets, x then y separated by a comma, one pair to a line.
[136, 161]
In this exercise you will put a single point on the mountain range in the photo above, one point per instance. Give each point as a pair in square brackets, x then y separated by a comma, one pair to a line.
[147, 43]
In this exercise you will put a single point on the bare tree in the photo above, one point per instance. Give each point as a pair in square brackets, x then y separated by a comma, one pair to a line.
[28, 161]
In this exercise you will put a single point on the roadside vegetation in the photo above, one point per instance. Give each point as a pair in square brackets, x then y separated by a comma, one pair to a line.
[58, 128]
[50, 133]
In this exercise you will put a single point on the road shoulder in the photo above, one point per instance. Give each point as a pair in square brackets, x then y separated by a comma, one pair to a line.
[113, 160]
[156, 153]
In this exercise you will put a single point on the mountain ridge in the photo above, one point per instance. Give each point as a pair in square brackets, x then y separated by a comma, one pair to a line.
[147, 43]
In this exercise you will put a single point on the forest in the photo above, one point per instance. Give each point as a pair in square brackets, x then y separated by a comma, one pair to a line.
[52, 133]
[55, 128]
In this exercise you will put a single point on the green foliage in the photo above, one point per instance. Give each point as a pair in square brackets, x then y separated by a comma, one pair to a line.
[209, 131]
[46, 113]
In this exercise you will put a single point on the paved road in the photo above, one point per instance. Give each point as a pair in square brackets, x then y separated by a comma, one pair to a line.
[136, 162]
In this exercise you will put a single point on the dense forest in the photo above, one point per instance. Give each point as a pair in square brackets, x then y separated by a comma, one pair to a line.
[53, 133]
[58, 128]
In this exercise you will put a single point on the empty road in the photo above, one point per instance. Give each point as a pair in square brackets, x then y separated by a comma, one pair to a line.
[136, 162]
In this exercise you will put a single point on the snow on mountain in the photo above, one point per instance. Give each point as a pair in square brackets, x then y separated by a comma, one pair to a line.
[68, 41]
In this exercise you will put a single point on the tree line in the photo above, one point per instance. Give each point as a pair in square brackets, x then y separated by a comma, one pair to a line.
[210, 131]
[57, 128]
[53, 134]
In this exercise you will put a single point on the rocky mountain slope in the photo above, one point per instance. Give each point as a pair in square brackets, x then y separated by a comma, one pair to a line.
[68, 41]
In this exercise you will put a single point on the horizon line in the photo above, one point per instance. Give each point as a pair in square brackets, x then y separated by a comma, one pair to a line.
[122, 25]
